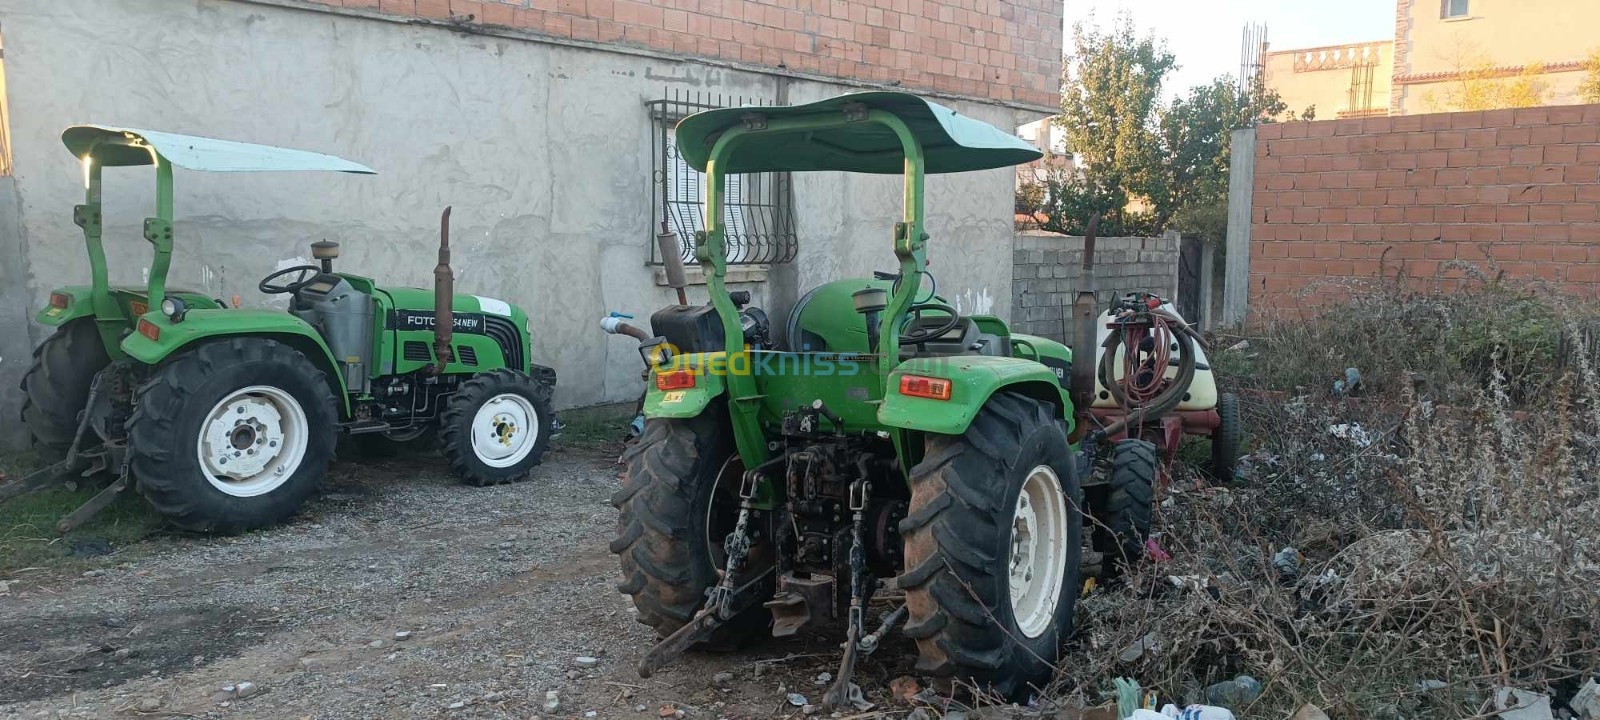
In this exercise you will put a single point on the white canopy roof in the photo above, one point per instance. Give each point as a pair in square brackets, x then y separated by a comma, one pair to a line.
[114, 146]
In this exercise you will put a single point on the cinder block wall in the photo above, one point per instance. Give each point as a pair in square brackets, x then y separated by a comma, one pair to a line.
[1047, 272]
[1427, 195]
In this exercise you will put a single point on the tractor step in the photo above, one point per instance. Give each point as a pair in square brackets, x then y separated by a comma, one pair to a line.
[362, 427]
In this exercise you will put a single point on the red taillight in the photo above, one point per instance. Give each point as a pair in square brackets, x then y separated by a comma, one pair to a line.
[675, 380]
[922, 386]
[149, 330]
[60, 300]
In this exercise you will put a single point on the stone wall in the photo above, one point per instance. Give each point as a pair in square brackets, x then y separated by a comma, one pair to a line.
[1047, 270]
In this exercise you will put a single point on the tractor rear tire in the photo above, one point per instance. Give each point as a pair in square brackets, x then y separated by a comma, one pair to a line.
[1130, 499]
[256, 402]
[667, 552]
[990, 509]
[496, 427]
[1225, 440]
[56, 387]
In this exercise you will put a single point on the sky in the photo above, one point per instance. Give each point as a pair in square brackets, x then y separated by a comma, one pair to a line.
[1205, 34]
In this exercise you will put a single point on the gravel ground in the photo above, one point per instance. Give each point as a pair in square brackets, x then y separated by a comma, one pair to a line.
[398, 593]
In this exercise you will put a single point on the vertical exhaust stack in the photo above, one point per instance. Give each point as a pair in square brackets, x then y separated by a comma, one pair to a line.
[672, 262]
[1084, 332]
[444, 281]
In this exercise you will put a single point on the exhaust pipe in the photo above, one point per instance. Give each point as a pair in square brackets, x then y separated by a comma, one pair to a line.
[1084, 331]
[443, 291]
[672, 262]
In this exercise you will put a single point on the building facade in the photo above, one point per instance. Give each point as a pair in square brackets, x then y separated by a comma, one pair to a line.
[1447, 55]
[545, 123]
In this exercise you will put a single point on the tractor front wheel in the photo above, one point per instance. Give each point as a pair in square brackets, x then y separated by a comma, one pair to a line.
[679, 500]
[496, 427]
[57, 386]
[232, 435]
[992, 544]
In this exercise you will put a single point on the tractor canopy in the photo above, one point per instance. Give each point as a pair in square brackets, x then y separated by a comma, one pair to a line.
[950, 141]
[122, 147]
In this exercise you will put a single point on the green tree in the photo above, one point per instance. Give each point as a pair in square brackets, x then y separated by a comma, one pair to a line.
[1194, 136]
[1589, 89]
[1111, 87]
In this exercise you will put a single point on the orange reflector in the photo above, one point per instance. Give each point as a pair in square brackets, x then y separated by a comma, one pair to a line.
[59, 300]
[675, 380]
[925, 387]
[149, 330]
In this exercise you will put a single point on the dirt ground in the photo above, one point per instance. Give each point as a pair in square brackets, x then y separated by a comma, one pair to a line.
[500, 589]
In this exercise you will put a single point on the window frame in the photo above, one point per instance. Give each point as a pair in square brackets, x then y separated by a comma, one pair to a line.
[1446, 7]
[759, 224]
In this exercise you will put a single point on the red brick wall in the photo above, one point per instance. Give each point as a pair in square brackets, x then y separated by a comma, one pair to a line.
[1007, 50]
[1503, 190]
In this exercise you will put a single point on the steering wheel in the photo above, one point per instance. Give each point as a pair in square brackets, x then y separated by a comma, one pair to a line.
[916, 333]
[304, 275]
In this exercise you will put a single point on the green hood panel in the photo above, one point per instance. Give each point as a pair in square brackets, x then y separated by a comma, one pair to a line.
[951, 142]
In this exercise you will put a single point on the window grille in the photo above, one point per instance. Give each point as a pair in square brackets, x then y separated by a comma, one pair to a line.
[758, 212]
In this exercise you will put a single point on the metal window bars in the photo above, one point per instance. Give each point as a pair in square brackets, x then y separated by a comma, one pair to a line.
[758, 207]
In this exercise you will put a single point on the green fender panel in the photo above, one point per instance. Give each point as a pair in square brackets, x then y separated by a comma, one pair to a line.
[709, 383]
[80, 302]
[974, 378]
[200, 324]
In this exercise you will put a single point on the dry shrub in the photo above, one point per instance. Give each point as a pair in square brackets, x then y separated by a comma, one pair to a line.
[1446, 550]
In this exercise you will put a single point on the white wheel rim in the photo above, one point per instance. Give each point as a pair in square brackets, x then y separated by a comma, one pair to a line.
[252, 441]
[504, 430]
[1038, 564]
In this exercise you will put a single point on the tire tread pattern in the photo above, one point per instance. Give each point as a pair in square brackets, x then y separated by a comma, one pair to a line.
[455, 425]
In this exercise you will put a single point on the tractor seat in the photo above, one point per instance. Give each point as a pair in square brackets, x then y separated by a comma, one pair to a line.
[963, 339]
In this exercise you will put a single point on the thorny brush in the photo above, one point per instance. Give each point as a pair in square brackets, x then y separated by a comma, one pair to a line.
[1448, 550]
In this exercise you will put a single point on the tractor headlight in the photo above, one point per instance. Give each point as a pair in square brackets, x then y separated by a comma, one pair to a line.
[174, 309]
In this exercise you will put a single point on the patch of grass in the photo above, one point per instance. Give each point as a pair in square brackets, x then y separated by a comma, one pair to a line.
[598, 427]
[28, 535]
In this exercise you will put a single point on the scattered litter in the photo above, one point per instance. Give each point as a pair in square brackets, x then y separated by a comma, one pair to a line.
[919, 714]
[904, 689]
[722, 678]
[1353, 432]
[1195, 583]
[1587, 702]
[822, 679]
[1432, 685]
[1309, 712]
[1287, 563]
[1349, 385]
[1128, 695]
[1136, 649]
[1198, 712]
[246, 689]
[552, 701]
[797, 700]
[457, 705]
[1238, 692]
[1515, 704]
[375, 644]
[1153, 549]
[668, 710]
[1238, 346]
[402, 636]
[584, 661]
[5, 588]
[1143, 714]
[809, 710]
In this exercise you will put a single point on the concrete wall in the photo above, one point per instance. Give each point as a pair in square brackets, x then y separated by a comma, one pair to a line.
[1440, 198]
[1321, 77]
[543, 149]
[1047, 268]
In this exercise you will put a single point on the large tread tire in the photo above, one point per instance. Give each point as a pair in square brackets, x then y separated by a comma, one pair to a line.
[1225, 441]
[455, 426]
[662, 542]
[171, 409]
[56, 387]
[958, 533]
[1130, 500]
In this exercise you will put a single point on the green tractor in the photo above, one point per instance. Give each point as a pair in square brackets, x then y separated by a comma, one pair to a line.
[889, 444]
[226, 419]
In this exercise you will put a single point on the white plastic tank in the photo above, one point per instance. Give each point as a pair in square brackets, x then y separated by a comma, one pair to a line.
[1202, 393]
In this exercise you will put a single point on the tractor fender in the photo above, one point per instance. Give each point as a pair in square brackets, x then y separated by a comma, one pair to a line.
[974, 379]
[710, 381]
[78, 305]
[206, 324]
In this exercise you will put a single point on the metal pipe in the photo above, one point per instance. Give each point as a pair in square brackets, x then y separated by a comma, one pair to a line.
[443, 294]
[1083, 312]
